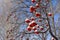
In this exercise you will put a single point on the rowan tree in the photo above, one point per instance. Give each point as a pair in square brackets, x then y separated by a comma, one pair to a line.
[32, 20]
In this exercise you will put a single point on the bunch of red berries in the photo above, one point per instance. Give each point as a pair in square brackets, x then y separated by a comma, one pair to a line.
[32, 24]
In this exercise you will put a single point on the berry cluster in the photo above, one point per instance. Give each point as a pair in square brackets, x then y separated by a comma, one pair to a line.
[32, 24]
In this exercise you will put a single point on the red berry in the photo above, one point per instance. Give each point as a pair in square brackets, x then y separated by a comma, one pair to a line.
[37, 26]
[40, 20]
[32, 24]
[34, 28]
[37, 14]
[29, 28]
[36, 32]
[33, 1]
[32, 18]
[32, 9]
[27, 20]
[49, 14]
[47, 25]
[41, 28]
[37, 5]
[53, 38]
